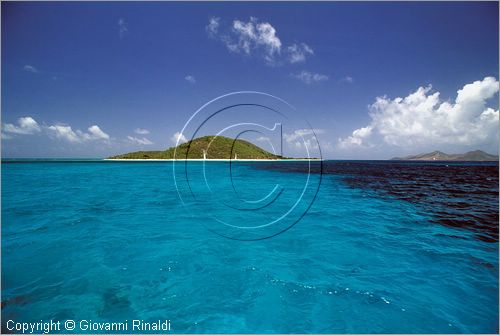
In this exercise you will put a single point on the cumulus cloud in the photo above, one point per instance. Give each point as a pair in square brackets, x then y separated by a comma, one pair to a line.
[254, 34]
[423, 119]
[29, 126]
[26, 126]
[95, 133]
[141, 141]
[122, 27]
[259, 38]
[297, 53]
[190, 79]
[141, 131]
[357, 138]
[30, 68]
[309, 77]
[178, 137]
[65, 132]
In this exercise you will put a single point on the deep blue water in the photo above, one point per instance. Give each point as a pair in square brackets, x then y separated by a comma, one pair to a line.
[408, 248]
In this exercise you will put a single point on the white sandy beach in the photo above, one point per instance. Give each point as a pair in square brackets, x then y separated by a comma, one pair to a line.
[211, 160]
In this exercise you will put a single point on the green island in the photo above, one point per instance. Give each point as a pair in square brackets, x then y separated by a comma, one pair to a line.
[216, 147]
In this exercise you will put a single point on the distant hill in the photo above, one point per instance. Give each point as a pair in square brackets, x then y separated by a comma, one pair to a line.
[219, 149]
[476, 155]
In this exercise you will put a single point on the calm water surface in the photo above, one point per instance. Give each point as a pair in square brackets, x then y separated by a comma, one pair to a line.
[385, 247]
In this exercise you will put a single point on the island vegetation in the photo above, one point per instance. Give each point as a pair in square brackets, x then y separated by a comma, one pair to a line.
[215, 147]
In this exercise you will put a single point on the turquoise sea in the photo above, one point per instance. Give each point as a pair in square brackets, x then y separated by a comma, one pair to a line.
[384, 247]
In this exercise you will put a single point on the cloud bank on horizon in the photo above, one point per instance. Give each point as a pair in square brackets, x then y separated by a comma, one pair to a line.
[418, 120]
[422, 119]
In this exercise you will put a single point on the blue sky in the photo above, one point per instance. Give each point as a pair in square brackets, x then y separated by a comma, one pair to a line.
[374, 80]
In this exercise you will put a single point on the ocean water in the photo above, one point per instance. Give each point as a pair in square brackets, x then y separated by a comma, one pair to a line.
[379, 247]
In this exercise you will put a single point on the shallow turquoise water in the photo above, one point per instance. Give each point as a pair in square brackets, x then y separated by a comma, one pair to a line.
[113, 241]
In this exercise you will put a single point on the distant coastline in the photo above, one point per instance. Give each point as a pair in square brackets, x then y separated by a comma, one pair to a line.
[471, 156]
[111, 160]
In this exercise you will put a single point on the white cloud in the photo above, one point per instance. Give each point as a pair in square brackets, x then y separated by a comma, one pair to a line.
[29, 126]
[297, 53]
[298, 133]
[178, 137]
[30, 68]
[309, 77]
[255, 35]
[122, 27]
[190, 78]
[262, 139]
[95, 133]
[357, 137]
[303, 137]
[142, 141]
[65, 132]
[259, 38]
[141, 131]
[213, 26]
[26, 126]
[422, 119]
